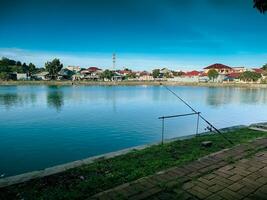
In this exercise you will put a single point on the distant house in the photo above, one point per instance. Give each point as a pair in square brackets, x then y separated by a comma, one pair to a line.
[41, 76]
[22, 76]
[117, 77]
[145, 76]
[65, 74]
[94, 70]
[223, 71]
[92, 73]
[75, 69]
[124, 72]
[203, 78]
[193, 73]
[239, 69]
[77, 77]
[18, 76]
[220, 68]
[258, 71]
[187, 77]
[233, 77]
[165, 72]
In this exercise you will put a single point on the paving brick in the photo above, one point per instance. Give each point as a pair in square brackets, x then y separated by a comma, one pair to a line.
[200, 190]
[146, 194]
[215, 197]
[228, 194]
[188, 185]
[216, 179]
[215, 188]
[197, 194]
[235, 177]
[205, 181]
[245, 191]
[249, 183]
[222, 174]
[194, 174]
[235, 187]
[209, 176]
[254, 176]
[258, 196]
[263, 189]
[262, 180]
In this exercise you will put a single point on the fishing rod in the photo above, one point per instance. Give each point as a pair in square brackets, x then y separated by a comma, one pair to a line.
[217, 130]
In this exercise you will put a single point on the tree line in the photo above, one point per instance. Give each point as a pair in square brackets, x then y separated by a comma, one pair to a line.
[9, 66]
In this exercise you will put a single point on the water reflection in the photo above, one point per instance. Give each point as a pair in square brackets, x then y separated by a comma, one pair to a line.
[10, 100]
[218, 97]
[55, 97]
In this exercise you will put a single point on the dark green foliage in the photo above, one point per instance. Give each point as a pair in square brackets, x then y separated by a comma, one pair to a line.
[250, 76]
[18, 63]
[8, 66]
[213, 74]
[84, 181]
[32, 68]
[180, 73]
[25, 68]
[53, 68]
[4, 76]
[155, 73]
[107, 74]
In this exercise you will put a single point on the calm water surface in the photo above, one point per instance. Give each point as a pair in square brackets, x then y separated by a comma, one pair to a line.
[42, 126]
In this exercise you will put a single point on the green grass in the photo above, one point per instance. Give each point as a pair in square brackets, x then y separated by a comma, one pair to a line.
[84, 181]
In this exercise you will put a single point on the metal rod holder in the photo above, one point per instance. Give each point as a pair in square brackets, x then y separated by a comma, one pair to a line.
[173, 116]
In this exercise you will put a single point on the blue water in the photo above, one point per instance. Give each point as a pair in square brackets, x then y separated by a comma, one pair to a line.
[42, 126]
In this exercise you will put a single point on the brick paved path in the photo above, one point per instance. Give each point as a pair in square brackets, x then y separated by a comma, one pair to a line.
[237, 173]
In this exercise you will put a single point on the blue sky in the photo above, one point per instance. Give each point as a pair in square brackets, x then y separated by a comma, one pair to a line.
[145, 34]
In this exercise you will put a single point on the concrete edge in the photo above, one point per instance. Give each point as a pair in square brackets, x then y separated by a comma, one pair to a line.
[12, 180]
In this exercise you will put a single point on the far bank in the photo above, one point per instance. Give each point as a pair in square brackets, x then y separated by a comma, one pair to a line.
[133, 83]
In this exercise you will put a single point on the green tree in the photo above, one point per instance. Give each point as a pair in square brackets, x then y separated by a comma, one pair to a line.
[18, 63]
[4, 76]
[4, 61]
[250, 76]
[53, 68]
[155, 73]
[107, 74]
[264, 67]
[131, 75]
[213, 74]
[25, 68]
[32, 68]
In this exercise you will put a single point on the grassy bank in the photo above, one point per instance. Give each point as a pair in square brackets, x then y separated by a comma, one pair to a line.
[133, 83]
[84, 181]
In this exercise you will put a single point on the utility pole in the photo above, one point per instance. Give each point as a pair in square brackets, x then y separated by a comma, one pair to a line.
[114, 61]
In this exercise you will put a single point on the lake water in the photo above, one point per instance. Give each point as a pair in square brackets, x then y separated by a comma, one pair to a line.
[42, 126]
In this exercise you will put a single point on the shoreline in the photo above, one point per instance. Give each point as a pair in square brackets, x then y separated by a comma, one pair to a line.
[131, 83]
[20, 178]
[103, 174]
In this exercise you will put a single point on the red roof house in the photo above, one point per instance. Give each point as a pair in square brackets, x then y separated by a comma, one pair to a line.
[193, 73]
[222, 69]
[218, 66]
[258, 71]
[93, 69]
[234, 75]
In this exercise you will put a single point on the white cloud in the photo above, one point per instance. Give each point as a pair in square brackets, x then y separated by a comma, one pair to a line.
[136, 62]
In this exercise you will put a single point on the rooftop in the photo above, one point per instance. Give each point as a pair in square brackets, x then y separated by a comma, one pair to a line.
[218, 66]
